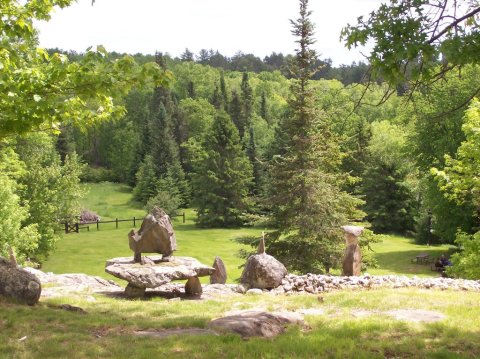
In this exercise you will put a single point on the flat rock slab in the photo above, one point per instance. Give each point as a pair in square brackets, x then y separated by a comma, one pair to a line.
[170, 332]
[256, 323]
[158, 273]
[416, 315]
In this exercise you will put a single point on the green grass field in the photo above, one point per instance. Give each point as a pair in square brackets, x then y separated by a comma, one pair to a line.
[86, 252]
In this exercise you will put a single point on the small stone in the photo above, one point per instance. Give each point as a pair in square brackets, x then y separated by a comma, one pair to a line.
[254, 291]
[134, 292]
[193, 287]
[220, 274]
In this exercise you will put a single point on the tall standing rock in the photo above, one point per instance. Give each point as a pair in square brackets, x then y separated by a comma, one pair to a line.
[352, 261]
[220, 274]
[155, 236]
[263, 271]
[18, 284]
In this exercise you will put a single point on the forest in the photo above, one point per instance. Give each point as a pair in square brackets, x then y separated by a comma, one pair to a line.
[288, 140]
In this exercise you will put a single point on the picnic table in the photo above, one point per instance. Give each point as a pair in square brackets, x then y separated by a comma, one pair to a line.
[422, 258]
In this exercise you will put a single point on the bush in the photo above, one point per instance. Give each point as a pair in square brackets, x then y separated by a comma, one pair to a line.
[466, 263]
[169, 202]
[88, 216]
[97, 174]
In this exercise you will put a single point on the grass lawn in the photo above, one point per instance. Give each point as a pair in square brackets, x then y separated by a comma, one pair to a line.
[107, 330]
[86, 252]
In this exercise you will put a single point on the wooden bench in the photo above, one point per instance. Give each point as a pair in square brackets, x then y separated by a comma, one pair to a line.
[422, 258]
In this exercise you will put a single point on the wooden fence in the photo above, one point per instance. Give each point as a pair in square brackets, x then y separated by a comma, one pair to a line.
[76, 227]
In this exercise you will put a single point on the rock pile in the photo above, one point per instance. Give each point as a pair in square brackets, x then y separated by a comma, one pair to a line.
[314, 283]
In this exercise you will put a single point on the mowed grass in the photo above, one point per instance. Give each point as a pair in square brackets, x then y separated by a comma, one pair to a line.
[107, 329]
[86, 252]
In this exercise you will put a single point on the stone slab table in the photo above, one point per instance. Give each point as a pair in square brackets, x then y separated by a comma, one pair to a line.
[157, 272]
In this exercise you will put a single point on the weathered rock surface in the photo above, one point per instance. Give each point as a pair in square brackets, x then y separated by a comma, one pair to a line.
[18, 283]
[256, 323]
[152, 276]
[263, 271]
[154, 236]
[352, 260]
[60, 285]
[220, 274]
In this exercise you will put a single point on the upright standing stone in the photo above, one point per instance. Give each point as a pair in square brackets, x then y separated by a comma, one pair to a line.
[220, 274]
[352, 261]
[155, 236]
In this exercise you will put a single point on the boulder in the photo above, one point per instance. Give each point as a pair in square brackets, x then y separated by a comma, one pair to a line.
[220, 274]
[263, 271]
[256, 323]
[352, 260]
[154, 236]
[18, 283]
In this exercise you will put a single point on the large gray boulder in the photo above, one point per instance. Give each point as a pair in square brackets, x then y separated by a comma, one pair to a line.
[256, 323]
[154, 236]
[263, 271]
[18, 284]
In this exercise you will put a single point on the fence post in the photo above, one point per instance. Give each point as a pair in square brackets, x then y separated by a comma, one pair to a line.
[183, 217]
[66, 227]
[134, 221]
[97, 225]
[116, 222]
[76, 227]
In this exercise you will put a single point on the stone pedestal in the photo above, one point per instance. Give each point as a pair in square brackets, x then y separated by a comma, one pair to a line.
[352, 261]
[193, 287]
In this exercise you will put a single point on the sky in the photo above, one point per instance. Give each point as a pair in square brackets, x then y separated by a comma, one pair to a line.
[250, 26]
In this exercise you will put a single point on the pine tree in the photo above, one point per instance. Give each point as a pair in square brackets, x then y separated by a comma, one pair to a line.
[247, 104]
[222, 176]
[235, 110]
[309, 206]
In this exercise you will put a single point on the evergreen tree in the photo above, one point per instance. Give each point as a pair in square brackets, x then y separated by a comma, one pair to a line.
[263, 107]
[223, 90]
[222, 175]
[247, 104]
[235, 110]
[309, 206]
[147, 181]
[252, 155]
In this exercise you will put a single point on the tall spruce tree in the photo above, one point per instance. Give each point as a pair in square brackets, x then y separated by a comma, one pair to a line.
[309, 206]
[222, 175]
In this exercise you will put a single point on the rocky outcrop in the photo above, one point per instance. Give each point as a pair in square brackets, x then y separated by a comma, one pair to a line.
[220, 274]
[263, 271]
[256, 323]
[352, 260]
[18, 284]
[156, 235]
[61, 285]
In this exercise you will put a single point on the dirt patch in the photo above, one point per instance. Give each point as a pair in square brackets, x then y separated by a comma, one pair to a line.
[169, 332]
[416, 315]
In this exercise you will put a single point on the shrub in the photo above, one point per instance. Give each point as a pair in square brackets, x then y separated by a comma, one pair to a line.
[88, 216]
[169, 202]
[97, 174]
